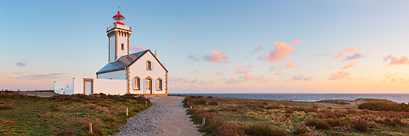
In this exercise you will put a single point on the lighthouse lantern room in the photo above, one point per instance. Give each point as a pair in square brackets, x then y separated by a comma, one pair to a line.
[119, 19]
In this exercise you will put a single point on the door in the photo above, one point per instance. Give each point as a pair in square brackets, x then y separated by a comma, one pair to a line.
[88, 87]
[149, 85]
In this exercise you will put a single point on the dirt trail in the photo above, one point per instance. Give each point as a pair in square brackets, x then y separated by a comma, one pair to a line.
[166, 117]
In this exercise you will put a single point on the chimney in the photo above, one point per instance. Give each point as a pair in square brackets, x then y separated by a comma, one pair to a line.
[156, 54]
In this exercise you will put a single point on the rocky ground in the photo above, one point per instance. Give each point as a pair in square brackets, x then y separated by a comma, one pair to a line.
[166, 117]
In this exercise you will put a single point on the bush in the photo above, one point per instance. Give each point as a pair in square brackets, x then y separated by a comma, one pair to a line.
[329, 107]
[300, 129]
[360, 125]
[201, 102]
[384, 106]
[273, 106]
[213, 103]
[326, 113]
[321, 125]
[209, 96]
[212, 110]
[265, 130]
[336, 122]
[311, 122]
[6, 108]
[108, 119]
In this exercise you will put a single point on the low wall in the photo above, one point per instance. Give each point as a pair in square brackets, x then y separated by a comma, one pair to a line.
[110, 86]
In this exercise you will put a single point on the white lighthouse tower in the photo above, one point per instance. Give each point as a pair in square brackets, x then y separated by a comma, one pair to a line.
[118, 38]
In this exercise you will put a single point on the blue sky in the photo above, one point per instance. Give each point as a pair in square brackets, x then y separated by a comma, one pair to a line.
[46, 41]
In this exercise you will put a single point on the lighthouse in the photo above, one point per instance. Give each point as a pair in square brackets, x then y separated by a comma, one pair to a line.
[118, 38]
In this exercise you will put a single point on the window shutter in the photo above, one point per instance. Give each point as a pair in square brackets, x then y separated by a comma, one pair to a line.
[133, 83]
[156, 84]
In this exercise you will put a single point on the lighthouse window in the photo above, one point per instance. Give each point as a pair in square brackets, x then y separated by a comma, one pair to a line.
[122, 46]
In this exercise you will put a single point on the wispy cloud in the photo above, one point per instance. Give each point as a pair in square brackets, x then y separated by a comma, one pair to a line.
[248, 77]
[244, 69]
[216, 57]
[355, 56]
[349, 65]
[231, 81]
[137, 48]
[21, 64]
[299, 78]
[42, 76]
[289, 64]
[339, 55]
[174, 39]
[339, 76]
[194, 81]
[271, 68]
[193, 57]
[396, 60]
[259, 48]
[295, 42]
[262, 79]
[281, 50]
[348, 49]
[219, 74]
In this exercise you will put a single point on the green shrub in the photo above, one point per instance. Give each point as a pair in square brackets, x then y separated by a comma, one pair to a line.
[108, 118]
[321, 125]
[213, 103]
[384, 106]
[201, 102]
[6, 108]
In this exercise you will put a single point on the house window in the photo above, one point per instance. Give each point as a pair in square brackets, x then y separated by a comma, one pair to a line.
[122, 46]
[148, 65]
[137, 83]
[159, 84]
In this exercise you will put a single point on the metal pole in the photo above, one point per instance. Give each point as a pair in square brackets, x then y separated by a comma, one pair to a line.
[90, 128]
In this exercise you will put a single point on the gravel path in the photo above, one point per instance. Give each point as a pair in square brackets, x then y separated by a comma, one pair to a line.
[166, 117]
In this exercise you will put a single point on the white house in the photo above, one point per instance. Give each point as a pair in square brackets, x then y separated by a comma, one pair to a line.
[139, 73]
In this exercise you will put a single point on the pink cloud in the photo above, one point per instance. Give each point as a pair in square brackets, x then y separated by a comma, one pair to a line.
[396, 60]
[243, 70]
[349, 65]
[202, 83]
[42, 76]
[231, 81]
[308, 79]
[278, 73]
[219, 74]
[378, 48]
[137, 48]
[262, 79]
[404, 81]
[281, 50]
[339, 55]
[393, 80]
[174, 39]
[347, 49]
[298, 78]
[259, 48]
[271, 68]
[339, 76]
[216, 57]
[295, 42]
[248, 77]
[289, 64]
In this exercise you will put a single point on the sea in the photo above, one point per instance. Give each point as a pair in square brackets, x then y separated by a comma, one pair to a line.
[307, 97]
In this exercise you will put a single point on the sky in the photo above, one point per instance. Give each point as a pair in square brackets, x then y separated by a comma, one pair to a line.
[229, 46]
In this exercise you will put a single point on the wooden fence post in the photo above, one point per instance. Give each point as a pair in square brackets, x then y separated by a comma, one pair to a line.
[190, 107]
[146, 103]
[203, 121]
[90, 128]
[126, 111]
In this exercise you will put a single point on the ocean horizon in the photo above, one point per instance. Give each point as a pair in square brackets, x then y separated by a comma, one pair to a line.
[306, 97]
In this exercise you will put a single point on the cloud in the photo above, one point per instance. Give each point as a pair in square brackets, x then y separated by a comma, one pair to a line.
[248, 77]
[378, 48]
[374, 43]
[323, 54]
[297, 77]
[393, 80]
[281, 50]
[211, 82]
[174, 39]
[339, 76]
[216, 57]
[262, 79]
[355, 56]
[193, 57]
[194, 81]
[42, 76]
[177, 79]
[243, 70]
[347, 49]
[396, 60]
[219, 74]
[339, 55]
[259, 48]
[404, 81]
[21, 64]
[137, 48]
[308, 79]
[349, 65]
[195, 71]
[289, 64]
[295, 42]
[231, 81]
[202, 83]
[330, 67]
[388, 75]
[279, 73]
[271, 68]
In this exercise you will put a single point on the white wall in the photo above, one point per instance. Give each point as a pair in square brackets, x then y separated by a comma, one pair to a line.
[139, 69]
[78, 85]
[112, 49]
[108, 86]
[121, 74]
[121, 39]
[63, 88]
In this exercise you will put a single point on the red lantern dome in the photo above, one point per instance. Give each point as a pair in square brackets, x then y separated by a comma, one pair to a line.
[119, 19]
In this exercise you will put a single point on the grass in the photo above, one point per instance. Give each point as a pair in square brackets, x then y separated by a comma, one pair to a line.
[66, 114]
[272, 117]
